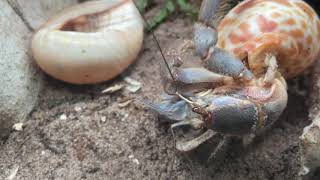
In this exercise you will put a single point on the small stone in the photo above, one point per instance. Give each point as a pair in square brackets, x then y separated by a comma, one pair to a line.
[18, 126]
[63, 117]
[125, 117]
[13, 173]
[77, 109]
[103, 119]
[133, 85]
[136, 161]
[72, 116]
[310, 147]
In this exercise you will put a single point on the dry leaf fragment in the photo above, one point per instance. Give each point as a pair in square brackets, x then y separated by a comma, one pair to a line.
[113, 89]
[18, 127]
[134, 85]
[125, 103]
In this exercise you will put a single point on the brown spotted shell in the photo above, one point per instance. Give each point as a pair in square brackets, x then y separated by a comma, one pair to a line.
[288, 29]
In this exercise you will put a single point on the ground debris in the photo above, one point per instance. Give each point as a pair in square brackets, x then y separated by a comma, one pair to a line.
[18, 127]
[126, 102]
[133, 85]
[310, 147]
[103, 119]
[310, 138]
[13, 173]
[63, 117]
[113, 88]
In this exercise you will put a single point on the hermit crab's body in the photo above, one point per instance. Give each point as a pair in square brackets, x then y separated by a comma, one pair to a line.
[245, 56]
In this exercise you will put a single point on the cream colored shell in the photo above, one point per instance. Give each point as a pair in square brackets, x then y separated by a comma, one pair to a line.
[90, 42]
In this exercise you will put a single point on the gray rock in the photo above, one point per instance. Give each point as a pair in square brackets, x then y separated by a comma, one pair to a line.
[310, 147]
[36, 12]
[20, 78]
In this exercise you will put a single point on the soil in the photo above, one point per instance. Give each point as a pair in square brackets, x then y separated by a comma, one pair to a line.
[77, 132]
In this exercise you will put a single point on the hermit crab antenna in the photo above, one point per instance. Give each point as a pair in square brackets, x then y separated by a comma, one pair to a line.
[156, 40]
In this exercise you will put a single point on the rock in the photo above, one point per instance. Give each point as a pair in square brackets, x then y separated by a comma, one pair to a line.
[20, 78]
[310, 147]
[310, 138]
[36, 12]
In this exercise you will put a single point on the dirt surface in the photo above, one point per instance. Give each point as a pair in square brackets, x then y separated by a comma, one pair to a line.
[76, 132]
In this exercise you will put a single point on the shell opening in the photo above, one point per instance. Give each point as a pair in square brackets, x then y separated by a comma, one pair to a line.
[84, 23]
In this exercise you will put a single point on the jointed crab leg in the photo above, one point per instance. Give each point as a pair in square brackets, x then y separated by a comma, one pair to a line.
[199, 75]
[195, 78]
[223, 144]
[271, 71]
[194, 143]
[223, 62]
[205, 39]
[205, 33]
[219, 65]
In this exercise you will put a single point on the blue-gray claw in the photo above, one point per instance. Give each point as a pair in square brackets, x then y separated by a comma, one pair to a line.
[169, 110]
[225, 63]
[204, 38]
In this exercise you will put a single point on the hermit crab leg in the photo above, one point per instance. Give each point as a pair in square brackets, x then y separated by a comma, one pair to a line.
[271, 71]
[193, 78]
[194, 123]
[205, 33]
[205, 39]
[199, 75]
[219, 63]
[222, 62]
[194, 143]
[223, 144]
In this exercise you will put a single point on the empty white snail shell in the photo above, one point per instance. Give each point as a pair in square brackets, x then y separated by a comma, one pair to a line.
[90, 42]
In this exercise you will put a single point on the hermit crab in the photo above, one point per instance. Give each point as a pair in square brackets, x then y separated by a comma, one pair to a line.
[238, 88]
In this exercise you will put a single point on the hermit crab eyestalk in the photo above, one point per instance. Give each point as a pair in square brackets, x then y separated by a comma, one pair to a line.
[90, 42]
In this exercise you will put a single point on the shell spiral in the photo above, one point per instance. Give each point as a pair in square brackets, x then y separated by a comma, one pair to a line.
[288, 29]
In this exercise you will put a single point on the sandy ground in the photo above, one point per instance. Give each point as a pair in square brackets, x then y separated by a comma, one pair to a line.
[76, 132]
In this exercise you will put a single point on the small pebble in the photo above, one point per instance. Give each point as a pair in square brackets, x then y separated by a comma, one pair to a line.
[63, 117]
[18, 126]
[136, 161]
[103, 119]
[78, 109]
